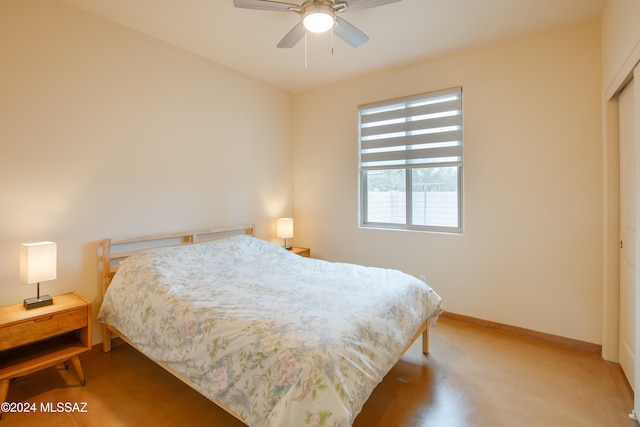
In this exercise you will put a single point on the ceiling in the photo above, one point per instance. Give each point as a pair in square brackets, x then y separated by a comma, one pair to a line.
[400, 33]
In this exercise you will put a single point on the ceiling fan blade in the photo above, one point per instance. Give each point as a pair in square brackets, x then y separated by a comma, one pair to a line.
[366, 4]
[277, 6]
[292, 37]
[349, 33]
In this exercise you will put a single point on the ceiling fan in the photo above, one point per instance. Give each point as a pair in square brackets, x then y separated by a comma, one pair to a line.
[317, 16]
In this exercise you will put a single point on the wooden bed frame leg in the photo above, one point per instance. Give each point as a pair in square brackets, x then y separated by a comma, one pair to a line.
[425, 340]
[106, 339]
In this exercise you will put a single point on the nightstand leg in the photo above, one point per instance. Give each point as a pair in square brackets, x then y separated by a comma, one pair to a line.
[4, 389]
[75, 361]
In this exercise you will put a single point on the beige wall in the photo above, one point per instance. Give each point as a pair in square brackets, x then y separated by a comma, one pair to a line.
[105, 132]
[531, 252]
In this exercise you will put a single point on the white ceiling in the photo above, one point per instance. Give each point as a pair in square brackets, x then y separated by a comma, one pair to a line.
[400, 33]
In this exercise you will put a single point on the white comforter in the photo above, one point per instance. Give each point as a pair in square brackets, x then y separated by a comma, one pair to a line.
[281, 340]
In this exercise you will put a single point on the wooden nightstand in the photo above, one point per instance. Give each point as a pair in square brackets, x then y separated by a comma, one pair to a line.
[31, 340]
[306, 252]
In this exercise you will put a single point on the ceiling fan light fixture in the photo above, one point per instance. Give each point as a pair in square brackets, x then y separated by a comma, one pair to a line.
[318, 18]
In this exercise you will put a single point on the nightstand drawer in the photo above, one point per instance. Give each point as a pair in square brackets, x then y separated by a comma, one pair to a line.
[42, 327]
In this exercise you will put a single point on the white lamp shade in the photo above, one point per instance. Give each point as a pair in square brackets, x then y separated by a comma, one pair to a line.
[318, 19]
[284, 228]
[38, 262]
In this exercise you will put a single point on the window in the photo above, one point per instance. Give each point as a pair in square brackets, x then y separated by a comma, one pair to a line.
[411, 162]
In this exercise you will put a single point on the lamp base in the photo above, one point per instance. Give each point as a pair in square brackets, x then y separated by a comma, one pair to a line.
[36, 302]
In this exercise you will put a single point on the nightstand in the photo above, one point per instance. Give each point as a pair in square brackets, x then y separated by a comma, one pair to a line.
[31, 340]
[305, 252]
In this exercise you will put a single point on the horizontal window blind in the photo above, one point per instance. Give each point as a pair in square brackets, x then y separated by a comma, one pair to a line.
[418, 131]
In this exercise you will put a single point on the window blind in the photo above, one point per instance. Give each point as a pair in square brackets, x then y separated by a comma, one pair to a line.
[418, 131]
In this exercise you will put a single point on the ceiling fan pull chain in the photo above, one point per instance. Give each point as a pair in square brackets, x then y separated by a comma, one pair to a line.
[331, 40]
[305, 50]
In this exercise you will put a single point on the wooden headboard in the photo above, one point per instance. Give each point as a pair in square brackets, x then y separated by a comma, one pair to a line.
[114, 251]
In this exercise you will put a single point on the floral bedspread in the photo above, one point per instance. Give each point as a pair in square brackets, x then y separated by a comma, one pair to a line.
[281, 340]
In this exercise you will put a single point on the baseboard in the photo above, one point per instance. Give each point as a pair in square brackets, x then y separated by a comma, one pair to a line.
[567, 342]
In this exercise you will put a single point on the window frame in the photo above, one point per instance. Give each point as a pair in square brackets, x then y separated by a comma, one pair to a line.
[408, 171]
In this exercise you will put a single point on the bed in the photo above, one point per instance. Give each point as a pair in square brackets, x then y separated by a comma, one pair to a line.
[273, 338]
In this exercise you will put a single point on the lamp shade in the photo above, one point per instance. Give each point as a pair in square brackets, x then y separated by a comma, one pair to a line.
[38, 262]
[284, 229]
[318, 18]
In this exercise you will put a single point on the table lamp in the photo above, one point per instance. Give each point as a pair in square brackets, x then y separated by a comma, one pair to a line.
[38, 264]
[284, 230]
